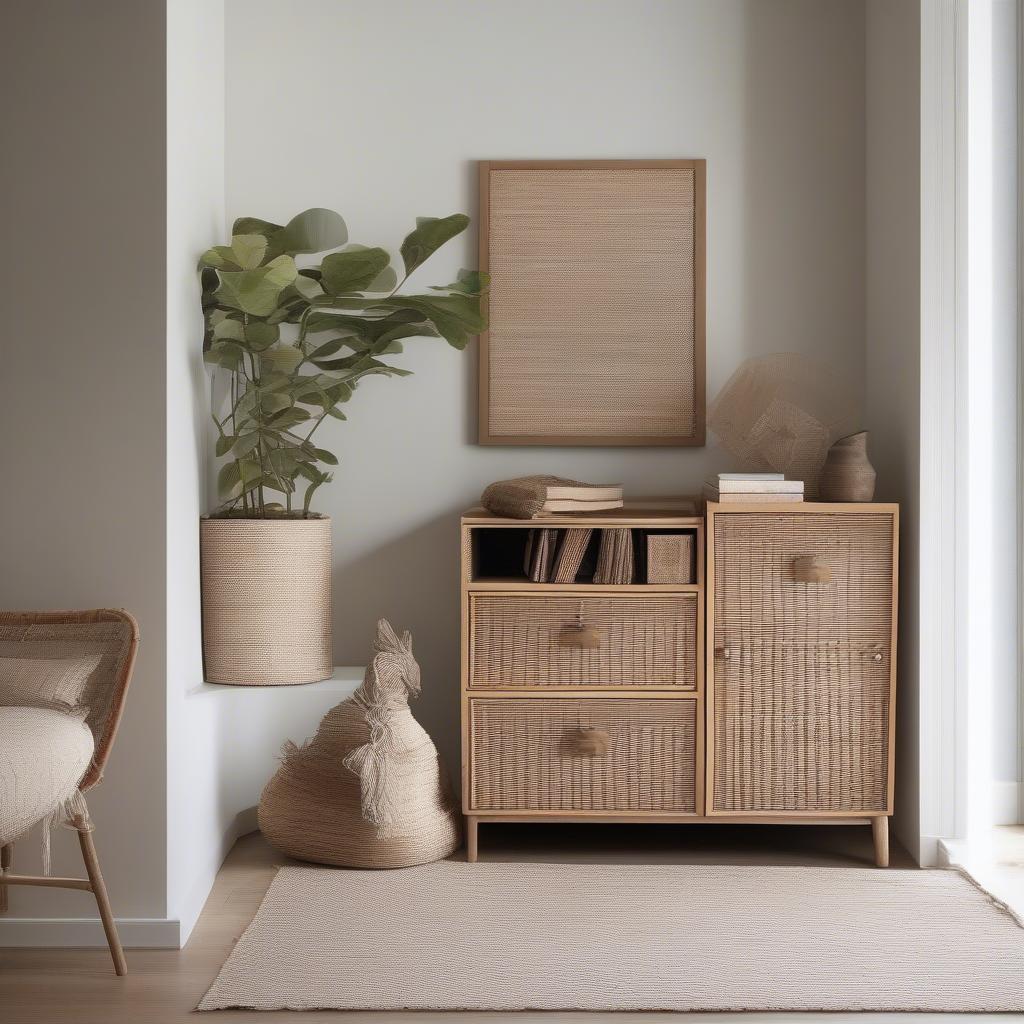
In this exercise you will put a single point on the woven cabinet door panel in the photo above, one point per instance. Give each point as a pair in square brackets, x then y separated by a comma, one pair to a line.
[529, 641]
[802, 669]
[537, 755]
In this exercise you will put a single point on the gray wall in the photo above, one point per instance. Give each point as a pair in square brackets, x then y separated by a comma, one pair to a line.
[380, 111]
[82, 382]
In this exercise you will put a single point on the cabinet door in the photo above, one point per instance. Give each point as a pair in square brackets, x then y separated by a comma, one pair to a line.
[802, 630]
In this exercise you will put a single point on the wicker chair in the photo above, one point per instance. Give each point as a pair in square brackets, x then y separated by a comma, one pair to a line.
[113, 634]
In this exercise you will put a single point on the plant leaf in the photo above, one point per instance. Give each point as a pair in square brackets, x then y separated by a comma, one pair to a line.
[256, 291]
[260, 335]
[325, 456]
[430, 234]
[224, 443]
[455, 316]
[328, 348]
[352, 269]
[469, 282]
[314, 230]
[226, 354]
[249, 250]
[246, 443]
[385, 281]
[227, 479]
[284, 359]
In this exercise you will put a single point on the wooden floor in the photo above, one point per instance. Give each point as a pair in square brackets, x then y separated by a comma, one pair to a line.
[48, 986]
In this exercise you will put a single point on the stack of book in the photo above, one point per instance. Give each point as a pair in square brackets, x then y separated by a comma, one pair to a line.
[530, 497]
[737, 488]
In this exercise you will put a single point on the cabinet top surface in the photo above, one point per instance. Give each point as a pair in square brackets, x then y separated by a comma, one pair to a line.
[658, 511]
[655, 512]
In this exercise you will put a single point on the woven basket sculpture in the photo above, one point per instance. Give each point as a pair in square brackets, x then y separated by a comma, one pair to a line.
[368, 790]
[781, 412]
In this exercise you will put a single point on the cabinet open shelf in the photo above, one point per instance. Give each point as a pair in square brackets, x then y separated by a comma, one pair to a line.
[497, 557]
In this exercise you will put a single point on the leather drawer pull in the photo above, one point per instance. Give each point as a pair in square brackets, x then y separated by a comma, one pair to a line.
[587, 742]
[580, 635]
[811, 569]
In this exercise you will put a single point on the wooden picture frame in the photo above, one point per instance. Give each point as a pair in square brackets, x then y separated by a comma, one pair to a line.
[536, 385]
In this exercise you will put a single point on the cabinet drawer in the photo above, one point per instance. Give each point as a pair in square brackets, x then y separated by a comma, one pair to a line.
[803, 578]
[527, 640]
[585, 754]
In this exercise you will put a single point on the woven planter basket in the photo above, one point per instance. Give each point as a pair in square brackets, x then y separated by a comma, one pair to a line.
[266, 589]
[368, 790]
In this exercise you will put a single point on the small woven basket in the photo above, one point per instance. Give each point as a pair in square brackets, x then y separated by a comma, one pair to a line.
[670, 558]
[266, 591]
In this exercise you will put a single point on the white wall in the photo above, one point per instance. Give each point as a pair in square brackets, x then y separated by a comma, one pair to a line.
[82, 391]
[1006, 380]
[200, 824]
[380, 111]
[893, 337]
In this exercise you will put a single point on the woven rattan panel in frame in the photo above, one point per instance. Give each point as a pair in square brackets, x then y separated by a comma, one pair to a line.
[644, 641]
[592, 303]
[523, 757]
[802, 670]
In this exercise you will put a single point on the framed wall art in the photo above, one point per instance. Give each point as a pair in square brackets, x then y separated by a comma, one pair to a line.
[597, 302]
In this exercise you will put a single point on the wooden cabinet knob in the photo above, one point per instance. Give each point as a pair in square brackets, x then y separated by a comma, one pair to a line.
[811, 569]
[587, 742]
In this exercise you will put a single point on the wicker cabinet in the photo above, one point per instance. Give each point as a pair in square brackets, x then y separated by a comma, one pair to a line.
[801, 663]
[589, 701]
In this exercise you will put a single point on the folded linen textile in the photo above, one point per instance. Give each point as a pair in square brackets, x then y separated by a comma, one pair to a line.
[525, 497]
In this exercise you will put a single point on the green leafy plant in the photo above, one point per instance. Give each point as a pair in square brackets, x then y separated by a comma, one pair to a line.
[296, 340]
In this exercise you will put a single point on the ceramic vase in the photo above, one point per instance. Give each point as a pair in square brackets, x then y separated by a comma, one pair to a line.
[848, 474]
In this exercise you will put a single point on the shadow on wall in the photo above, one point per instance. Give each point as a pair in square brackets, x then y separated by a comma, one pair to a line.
[802, 225]
[413, 581]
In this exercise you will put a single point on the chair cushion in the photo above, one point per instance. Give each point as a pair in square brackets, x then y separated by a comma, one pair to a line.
[43, 756]
[45, 682]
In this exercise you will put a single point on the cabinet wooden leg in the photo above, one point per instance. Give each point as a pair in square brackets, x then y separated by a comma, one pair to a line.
[6, 860]
[471, 848]
[880, 835]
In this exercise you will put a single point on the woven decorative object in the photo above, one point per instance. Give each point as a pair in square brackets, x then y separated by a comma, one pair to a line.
[596, 302]
[368, 790]
[592, 641]
[781, 412]
[670, 558]
[266, 588]
[803, 607]
[583, 754]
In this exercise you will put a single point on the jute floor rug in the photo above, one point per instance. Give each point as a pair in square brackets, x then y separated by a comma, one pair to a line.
[512, 936]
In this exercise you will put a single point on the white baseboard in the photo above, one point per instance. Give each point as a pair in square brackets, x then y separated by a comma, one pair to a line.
[87, 932]
[928, 853]
[1005, 805]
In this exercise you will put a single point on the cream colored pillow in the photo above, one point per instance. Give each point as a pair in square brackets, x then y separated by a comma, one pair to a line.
[56, 683]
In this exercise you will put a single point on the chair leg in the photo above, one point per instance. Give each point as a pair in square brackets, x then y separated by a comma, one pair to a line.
[99, 889]
[6, 860]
